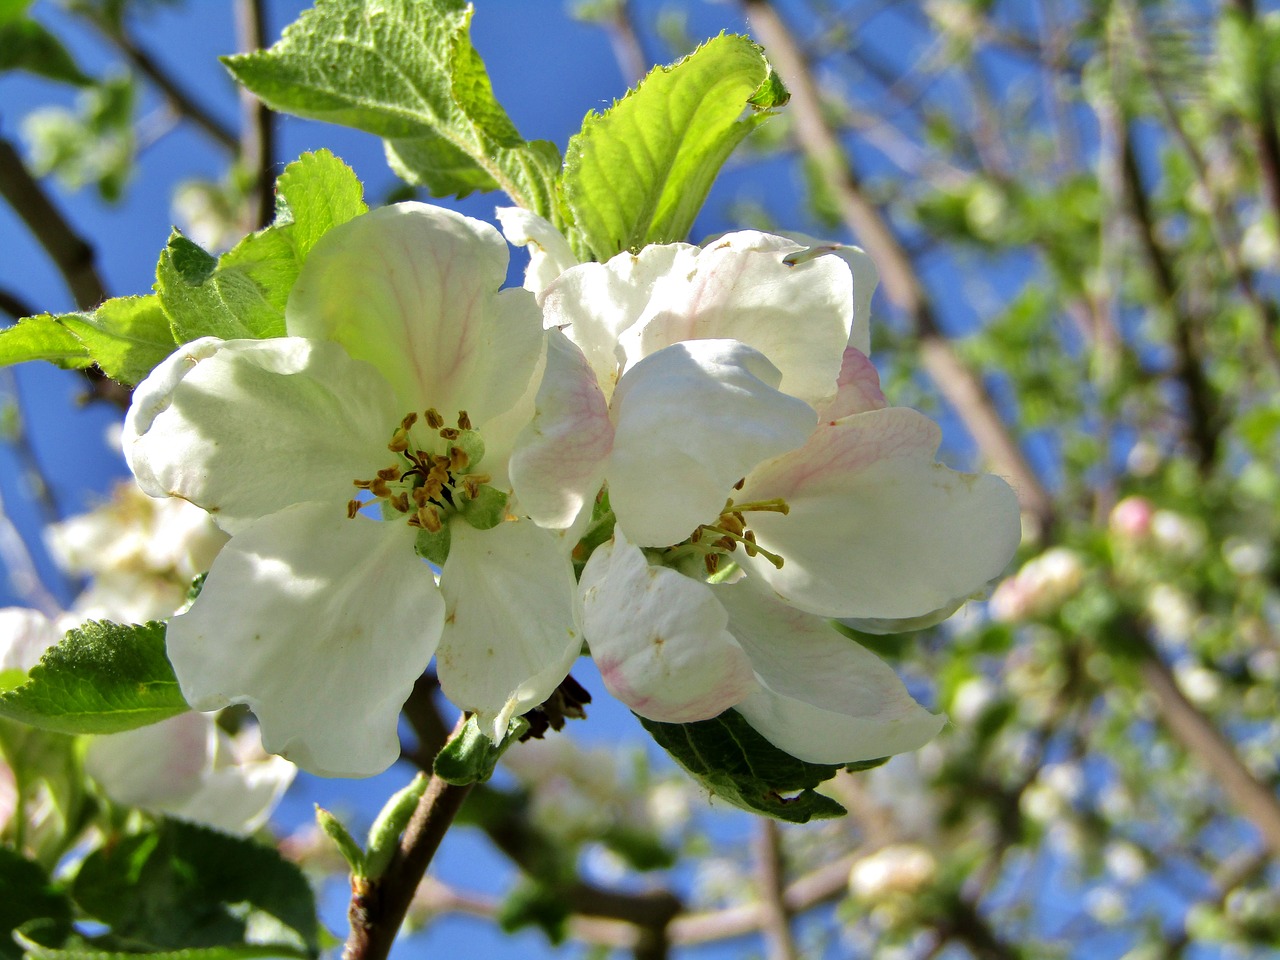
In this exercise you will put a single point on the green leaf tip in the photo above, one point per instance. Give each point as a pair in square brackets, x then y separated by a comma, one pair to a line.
[728, 757]
[640, 172]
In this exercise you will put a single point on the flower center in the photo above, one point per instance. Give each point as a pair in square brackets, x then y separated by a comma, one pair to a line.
[425, 486]
[715, 541]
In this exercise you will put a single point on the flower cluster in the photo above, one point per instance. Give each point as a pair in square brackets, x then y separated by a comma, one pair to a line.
[414, 470]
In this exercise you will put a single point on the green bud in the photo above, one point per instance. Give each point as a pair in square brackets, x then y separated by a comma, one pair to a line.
[346, 844]
[471, 756]
[384, 835]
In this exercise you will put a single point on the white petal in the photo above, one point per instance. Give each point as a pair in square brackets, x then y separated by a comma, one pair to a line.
[413, 289]
[237, 796]
[559, 461]
[512, 628]
[321, 625]
[156, 766]
[597, 302]
[857, 390]
[746, 287]
[659, 638]
[877, 529]
[549, 252]
[691, 421]
[823, 698]
[244, 428]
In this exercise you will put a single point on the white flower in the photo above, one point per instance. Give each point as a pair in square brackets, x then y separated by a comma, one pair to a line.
[186, 767]
[315, 615]
[744, 364]
[1043, 585]
[903, 868]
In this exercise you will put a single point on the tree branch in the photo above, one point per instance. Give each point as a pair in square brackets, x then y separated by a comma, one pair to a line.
[257, 123]
[958, 384]
[72, 255]
[771, 881]
[379, 904]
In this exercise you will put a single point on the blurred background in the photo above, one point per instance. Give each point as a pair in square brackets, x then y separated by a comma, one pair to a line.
[1074, 206]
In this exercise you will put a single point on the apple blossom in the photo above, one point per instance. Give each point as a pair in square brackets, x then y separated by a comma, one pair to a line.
[315, 615]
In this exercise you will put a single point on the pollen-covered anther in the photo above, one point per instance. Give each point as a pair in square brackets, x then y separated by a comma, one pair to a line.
[449, 433]
[399, 441]
[379, 487]
[400, 502]
[712, 562]
[733, 523]
[458, 459]
[427, 517]
[434, 420]
[353, 507]
[392, 472]
[464, 421]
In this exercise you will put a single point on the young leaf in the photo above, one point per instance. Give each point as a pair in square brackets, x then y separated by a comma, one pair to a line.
[42, 337]
[728, 757]
[203, 301]
[640, 172]
[173, 887]
[126, 336]
[100, 678]
[407, 72]
[28, 899]
[241, 951]
[26, 45]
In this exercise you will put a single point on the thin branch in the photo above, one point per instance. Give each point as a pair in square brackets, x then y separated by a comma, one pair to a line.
[959, 385]
[625, 41]
[379, 904]
[71, 254]
[1263, 129]
[771, 880]
[12, 304]
[257, 120]
[179, 99]
[1255, 801]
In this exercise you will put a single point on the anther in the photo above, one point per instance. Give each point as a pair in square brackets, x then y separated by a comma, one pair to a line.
[399, 441]
[449, 433]
[378, 487]
[409, 420]
[353, 507]
[389, 473]
[464, 421]
[471, 486]
[428, 518]
[458, 459]
[400, 502]
[434, 420]
[712, 562]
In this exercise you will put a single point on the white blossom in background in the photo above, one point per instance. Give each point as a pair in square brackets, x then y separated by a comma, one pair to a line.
[902, 868]
[140, 554]
[1038, 589]
[405, 379]
[741, 434]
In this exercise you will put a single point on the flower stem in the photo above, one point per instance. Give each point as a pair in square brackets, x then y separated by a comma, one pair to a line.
[378, 904]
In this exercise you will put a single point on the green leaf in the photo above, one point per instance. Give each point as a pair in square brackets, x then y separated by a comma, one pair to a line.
[28, 899]
[173, 887]
[243, 293]
[640, 172]
[100, 678]
[384, 835]
[335, 830]
[471, 757]
[26, 45]
[203, 301]
[728, 757]
[48, 777]
[533, 903]
[126, 336]
[42, 337]
[406, 71]
[241, 951]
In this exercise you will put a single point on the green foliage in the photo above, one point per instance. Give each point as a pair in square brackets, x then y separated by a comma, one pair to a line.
[173, 887]
[100, 678]
[92, 145]
[26, 45]
[384, 834]
[243, 293]
[47, 776]
[407, 72]
[732, 760]
[470, 756]
[533, 903]
[28, 901]
[42, 337]
[640, 172]
[127, 336]
[336, 831]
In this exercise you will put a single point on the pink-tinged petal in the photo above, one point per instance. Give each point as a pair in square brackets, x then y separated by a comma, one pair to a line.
[559, 460]
[691, 421]
[857, 389]
[512, 626]
[823, 697]
[597, 302]
[865, 279]
[762, 291]
[244, 428]
[549, 252]
[321, 625]
[413, 289]
[659, 638]
[157, 766]
[877, 528]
